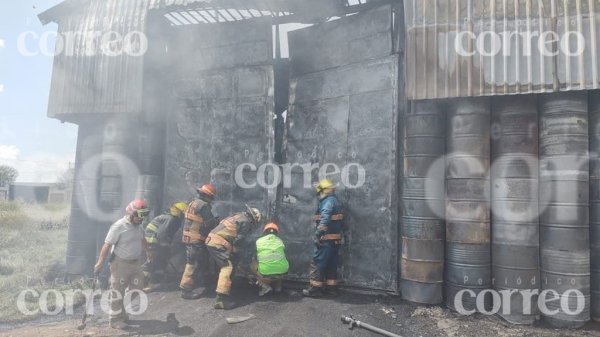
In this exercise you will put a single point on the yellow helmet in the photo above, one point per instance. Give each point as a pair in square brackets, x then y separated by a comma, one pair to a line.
[325, 184]
[178, 208]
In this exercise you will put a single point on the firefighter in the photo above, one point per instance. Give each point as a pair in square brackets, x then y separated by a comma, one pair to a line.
[328, 236]
[271, 265]
[159, 235]
[222, 242]
[199, 221]
[125, 242]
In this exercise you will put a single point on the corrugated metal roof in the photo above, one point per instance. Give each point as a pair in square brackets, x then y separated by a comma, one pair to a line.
[492, 56]
[88, 80]
[225, 9]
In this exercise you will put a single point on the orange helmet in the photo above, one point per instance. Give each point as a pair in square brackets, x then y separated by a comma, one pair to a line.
[272, 226]
[208, 190]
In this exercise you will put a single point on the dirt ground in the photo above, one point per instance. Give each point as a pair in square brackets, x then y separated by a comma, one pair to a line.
[289, 314]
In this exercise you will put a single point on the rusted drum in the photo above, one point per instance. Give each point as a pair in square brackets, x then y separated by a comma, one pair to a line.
[468, 260]
[595, 202]
[564, 207]
[422, 264]
[515, 224]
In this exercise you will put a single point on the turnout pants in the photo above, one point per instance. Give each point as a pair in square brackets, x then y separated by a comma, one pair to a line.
[196, 267]
[222, 259]
[323, 269]
[123, 274]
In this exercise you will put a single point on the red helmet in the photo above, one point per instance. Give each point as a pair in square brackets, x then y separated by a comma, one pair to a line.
[209, 190]
[138, 206]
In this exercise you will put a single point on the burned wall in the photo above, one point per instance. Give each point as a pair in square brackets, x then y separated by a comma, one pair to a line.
[342, 120]
[221, 93]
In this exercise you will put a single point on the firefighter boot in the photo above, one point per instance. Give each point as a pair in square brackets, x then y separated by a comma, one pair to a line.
[312, 292]
[152, 287]
[190, 295]
[264, 289]
[224, 302]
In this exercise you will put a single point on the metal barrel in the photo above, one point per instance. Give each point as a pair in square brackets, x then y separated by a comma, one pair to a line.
[81, 246]
[422, 263]
[595, 202]
[468, 260]
[564, 207]
[514, 195]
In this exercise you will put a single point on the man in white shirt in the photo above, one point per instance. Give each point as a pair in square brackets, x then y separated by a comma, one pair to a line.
[125, 241]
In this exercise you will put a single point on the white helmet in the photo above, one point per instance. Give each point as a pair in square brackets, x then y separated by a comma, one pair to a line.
[255, 212]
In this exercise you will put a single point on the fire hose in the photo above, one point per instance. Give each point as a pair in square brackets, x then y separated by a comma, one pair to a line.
[358, 324]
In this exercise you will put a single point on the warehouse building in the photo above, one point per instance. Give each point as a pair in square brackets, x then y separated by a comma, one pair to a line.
[474, 123]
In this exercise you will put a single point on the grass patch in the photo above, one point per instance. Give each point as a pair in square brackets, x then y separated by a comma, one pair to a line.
[31, 257]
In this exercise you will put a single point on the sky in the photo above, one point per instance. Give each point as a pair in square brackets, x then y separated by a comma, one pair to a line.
[40, 148]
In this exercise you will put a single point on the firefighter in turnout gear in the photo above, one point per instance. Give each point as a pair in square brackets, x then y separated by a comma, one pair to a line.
[221, 243]
[271, 265]
[159, 235]
[199, 221]
[328, 236]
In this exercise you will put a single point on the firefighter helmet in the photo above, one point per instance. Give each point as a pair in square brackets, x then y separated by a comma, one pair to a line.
[255, 213]
[271, 226]
[325, 184]
[178, 208]
[208, 190]
[138, 207]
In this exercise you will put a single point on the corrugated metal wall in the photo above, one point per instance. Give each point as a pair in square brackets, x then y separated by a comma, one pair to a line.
[438, 68]
[87, 79]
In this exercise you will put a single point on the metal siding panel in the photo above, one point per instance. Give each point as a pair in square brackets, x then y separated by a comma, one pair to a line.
[90, 82]
[332, 45]
[346, 113]
[436, 70]
[222, 119]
